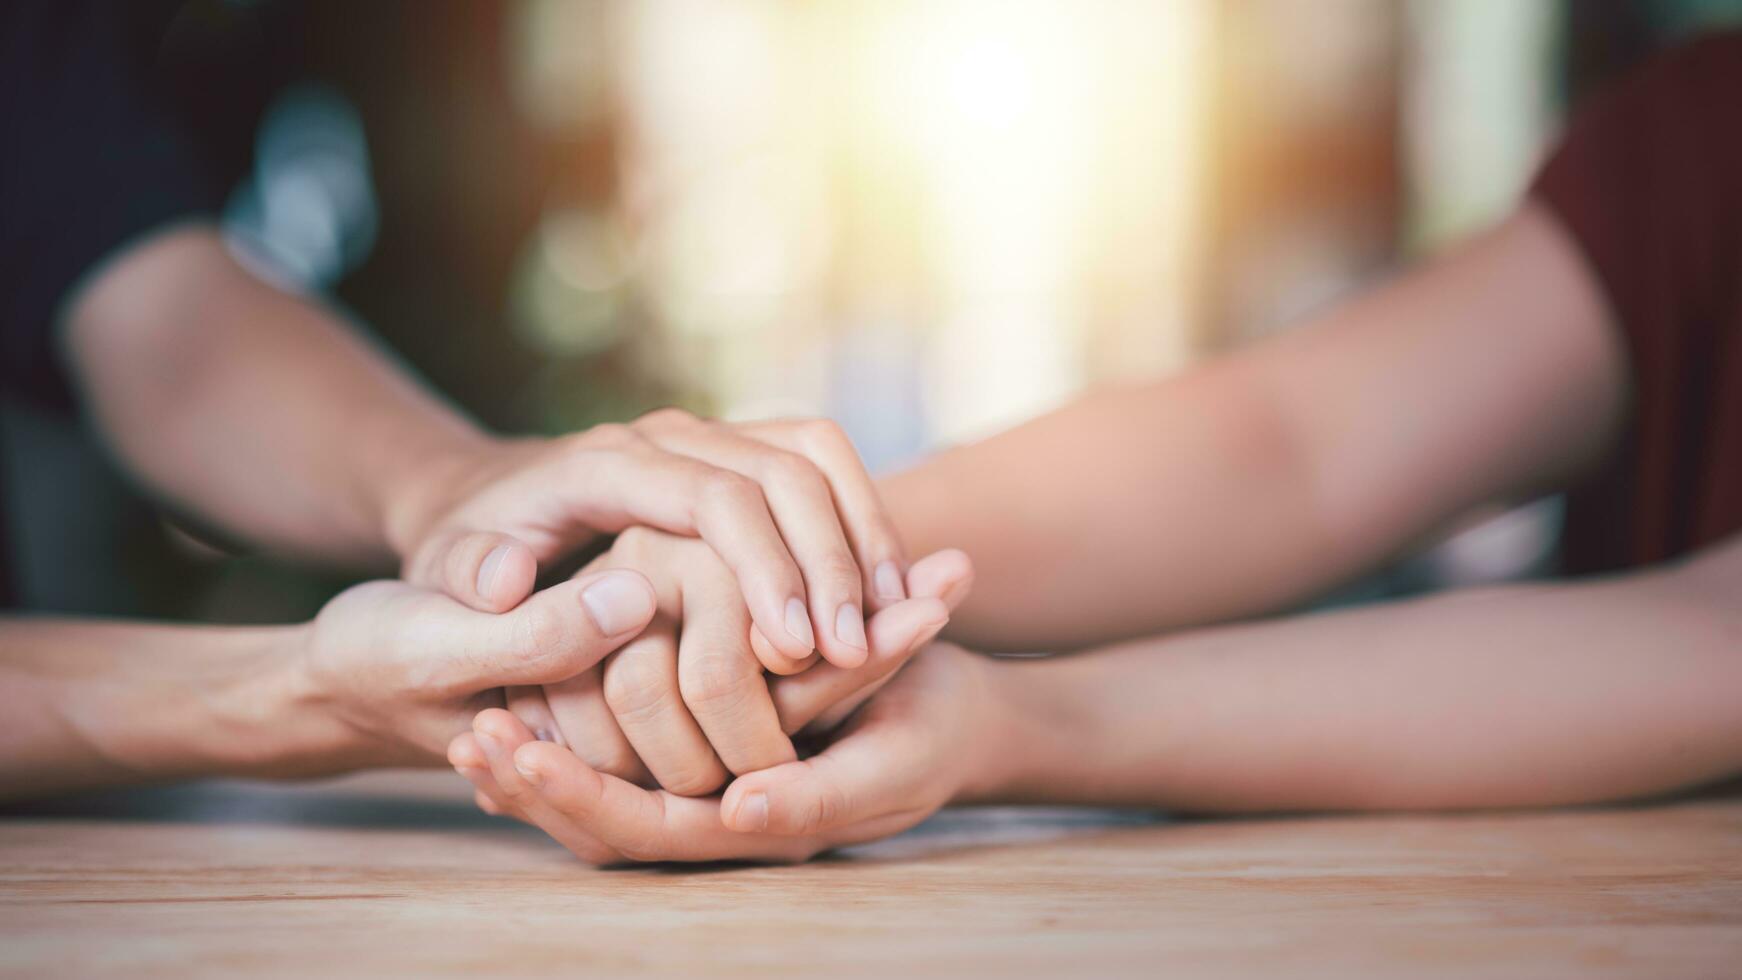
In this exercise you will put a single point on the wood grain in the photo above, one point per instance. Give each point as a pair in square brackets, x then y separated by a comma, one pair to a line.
[397, 876]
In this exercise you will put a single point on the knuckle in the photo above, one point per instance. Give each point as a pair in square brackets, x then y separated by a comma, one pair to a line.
[730, 487]
[607, 435]
[823, 811]
[634, 691]
[541, 634]
[822, 434]
[793, 469]
[839, 567]
[715, 684]
[698, 780]
[728, 494]
[616, 759]
[636, 541]
[670, 417]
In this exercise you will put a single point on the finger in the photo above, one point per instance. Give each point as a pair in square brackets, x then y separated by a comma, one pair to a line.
[773, 660]
[946, 575]
[671, 560]
[497, 734]
[556, 634]
[585, 720]
[487, 571]
[644, 825]
[530, 706]
[720, 680]
[486, 794]
[875, 772]
[468, 760]
[896, 634]
[686, 496]
[489, 806]
[486, 804]
[641, 687]
[870, 530]
[803, 507]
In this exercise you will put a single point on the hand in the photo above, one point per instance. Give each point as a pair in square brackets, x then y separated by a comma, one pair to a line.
[786, 505]
[685, 705]
[928, 738]
[405, 669]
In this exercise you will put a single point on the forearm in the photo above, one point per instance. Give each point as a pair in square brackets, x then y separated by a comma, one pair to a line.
[256, 410]
[1523, 696]
[98, 703]
[1266, 477]
[1063, 516]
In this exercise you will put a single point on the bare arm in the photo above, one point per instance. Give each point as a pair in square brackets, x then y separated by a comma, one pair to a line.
[1519, 696]
[105, 703]
[386, 675]
[254, 409]
[1289, 467]
[1510, 697]
[267, 415]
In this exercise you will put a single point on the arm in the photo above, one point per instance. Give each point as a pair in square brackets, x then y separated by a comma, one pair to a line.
[263, 413]
[1527, 695]
[385, 675]
[254, 408]
[103, 703]
[1289, 467]
[1521, 696]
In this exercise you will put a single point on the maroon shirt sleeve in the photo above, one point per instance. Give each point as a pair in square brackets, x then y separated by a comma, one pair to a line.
[1648, 183]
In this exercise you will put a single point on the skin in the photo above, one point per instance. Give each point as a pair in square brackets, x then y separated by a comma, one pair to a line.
[264, 416]
[384, 676]
[686, 704]
[1283, 470]
[1530, 696]
[1489, 375]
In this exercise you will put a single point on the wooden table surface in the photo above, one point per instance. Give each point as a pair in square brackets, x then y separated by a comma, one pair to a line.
[397, 875]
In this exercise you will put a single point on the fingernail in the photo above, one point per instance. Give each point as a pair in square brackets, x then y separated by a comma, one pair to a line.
[492, 748]
[753, 813]
[544, 735]
[528, 773]
[618, 603]
[850, 626]
[886, 579]
[487, 571]
[798, 623]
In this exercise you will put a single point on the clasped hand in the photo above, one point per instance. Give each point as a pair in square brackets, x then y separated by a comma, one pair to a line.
[621, 762]
[668, 666]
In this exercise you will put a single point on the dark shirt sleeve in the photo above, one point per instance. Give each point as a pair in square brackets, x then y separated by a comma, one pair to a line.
[90, 161]
[1648, 184]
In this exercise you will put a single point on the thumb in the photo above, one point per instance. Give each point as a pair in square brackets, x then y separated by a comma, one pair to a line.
[487, 571]
[868, 774]
[559, 632]
[895, 634]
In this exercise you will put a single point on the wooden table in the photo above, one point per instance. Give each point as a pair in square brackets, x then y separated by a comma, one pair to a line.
[397, 875]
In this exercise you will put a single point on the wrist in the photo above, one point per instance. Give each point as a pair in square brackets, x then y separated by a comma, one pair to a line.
[1039, 745]
[1003, 761]
[429, 482]
[234, 703]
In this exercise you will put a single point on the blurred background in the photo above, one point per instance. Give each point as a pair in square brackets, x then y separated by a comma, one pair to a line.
[928, 220]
